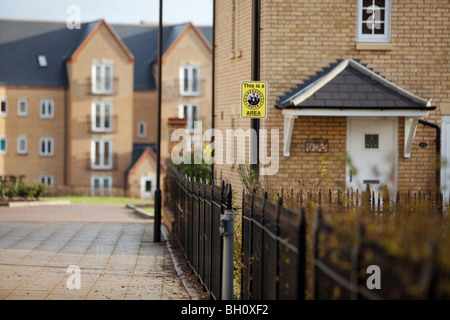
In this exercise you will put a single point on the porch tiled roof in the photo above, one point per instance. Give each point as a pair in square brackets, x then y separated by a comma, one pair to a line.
[349, 84]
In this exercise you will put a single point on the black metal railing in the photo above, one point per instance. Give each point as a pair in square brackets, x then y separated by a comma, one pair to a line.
[197, 208]
[273, 250]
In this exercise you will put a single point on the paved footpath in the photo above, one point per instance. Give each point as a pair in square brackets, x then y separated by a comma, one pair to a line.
[112, 246]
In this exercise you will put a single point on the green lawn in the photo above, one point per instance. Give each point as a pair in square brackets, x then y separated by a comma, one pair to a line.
[99, 200]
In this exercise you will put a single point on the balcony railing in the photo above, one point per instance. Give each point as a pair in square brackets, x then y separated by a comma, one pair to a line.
[113, 92]
[91, 128]
[172, 90]
[113, 166]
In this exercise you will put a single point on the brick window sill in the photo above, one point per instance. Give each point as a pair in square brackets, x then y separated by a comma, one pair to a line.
[374, 46]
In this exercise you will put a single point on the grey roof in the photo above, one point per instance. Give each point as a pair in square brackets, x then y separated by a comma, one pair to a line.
[138, 150]
[20, 44]
[352, 86]
[22, 41]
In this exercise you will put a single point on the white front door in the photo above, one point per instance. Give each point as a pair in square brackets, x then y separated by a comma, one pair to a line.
[147, 187]
[445, 157]
[372, 150]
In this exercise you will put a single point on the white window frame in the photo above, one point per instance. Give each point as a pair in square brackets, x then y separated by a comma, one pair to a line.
[20, 112]
[102, 158]
[19, 150]
[46, 179]
[48, 106]
[386, 37]
[4, 113]
[142, 133]
[102, 89]
[6, 145]
[46, 152]
[101, 185]
[190, 122]
[103, 105]
[189, 91]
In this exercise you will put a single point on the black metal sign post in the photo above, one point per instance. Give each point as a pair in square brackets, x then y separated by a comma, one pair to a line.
[157, 219]
[256, 9]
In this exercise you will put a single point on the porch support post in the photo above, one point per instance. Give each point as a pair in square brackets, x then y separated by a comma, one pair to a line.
[287, 135]
[410, 131]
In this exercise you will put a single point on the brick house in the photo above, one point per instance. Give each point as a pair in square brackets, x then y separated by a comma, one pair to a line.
[364, 83]
[79, 106]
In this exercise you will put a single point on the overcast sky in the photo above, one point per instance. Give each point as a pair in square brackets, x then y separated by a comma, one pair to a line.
[113, 11]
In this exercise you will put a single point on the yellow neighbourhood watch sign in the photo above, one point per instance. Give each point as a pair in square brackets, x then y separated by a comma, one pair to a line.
[253, 99]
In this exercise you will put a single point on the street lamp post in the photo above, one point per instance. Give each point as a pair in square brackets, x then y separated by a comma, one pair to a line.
[157, 219]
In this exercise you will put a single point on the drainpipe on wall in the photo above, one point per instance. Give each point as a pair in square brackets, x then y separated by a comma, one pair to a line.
[213, 84]
[438, 151]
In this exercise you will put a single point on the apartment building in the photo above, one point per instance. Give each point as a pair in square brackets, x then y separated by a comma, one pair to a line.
[79, 106]
[362, 84]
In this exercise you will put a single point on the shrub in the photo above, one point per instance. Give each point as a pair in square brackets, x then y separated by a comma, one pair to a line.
[10, 191]
[24, 190]
[38, 190]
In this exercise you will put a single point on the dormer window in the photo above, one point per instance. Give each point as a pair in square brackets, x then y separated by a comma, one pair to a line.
[42, 61]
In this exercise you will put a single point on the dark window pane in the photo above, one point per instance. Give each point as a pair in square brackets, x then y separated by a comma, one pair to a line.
[108, 78]
[148, 185]
[107, 117]
[365, 29]
[367, 15]
[194, 80]
[367, 3]
[379, 28]
[186, 80]
[380, 3]
[106, 153]
[3, 106]
[97, 116]
[371, 141]
[97, 153]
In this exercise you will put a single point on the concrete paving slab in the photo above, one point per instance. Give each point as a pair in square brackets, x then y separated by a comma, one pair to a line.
[110, 244]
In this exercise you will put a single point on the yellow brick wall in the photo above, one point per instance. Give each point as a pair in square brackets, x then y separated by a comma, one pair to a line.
[33, 127]
[299, 38]
[102, 46]
[188, 49]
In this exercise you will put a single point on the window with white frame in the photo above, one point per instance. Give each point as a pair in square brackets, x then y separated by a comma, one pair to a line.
[47, 108]
[102, 78]
[101, 154]
[189, 80]
[101, 186]
[46, 179]
[3, 145]
[374, 20]
[190, 112]
[142, 129]
[102, 116]
[46, 146]
[22, 145]
[22, 107]
[3, 107]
